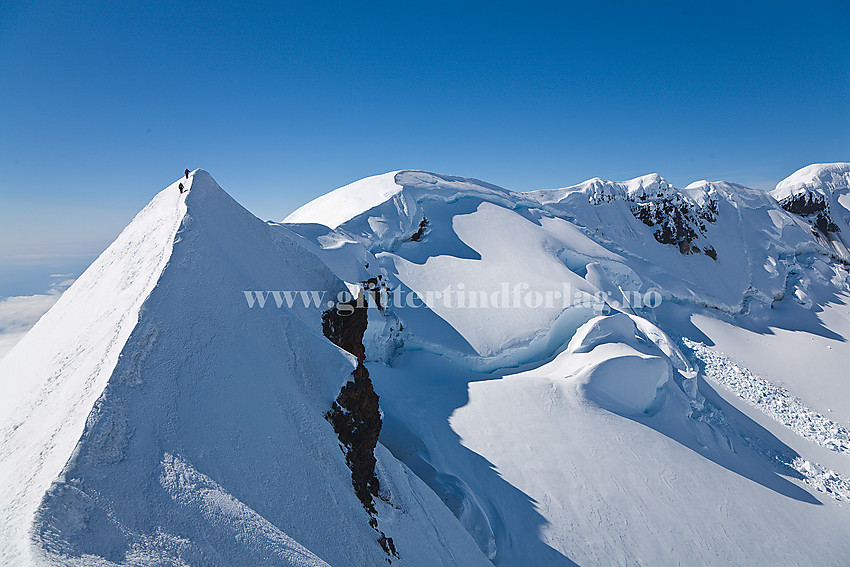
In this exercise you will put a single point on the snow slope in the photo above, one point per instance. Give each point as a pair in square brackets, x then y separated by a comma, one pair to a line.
[166, 422]
[49, 393]
[568, 434]
[339, 205]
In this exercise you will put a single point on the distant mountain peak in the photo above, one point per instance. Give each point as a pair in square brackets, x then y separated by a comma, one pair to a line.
[820, 194]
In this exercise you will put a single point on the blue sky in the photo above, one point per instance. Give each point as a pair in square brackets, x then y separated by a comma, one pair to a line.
[102, 104]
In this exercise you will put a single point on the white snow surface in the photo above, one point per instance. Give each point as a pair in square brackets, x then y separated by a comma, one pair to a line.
[159, 420]
[156, 419]
[48, 394]
[336, 207]
[564, 435]
[825, 178]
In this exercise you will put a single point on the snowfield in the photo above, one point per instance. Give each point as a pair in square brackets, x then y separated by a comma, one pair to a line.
[531, 408]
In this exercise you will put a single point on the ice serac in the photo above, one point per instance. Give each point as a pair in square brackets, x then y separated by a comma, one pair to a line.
[158, 419]
[618, 366]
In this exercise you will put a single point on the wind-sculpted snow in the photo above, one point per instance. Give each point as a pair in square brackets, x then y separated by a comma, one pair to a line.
[198, 495]
[495, 329]
[51, 379]
[340, 205]
[624, 363]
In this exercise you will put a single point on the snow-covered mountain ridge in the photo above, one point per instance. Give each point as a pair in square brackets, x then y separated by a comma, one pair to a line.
[193, 431]
[522, 404]
[758, 237]
[680, 216]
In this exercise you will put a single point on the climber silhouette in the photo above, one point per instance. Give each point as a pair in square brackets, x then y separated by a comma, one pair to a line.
[180, 186]
[186, 173]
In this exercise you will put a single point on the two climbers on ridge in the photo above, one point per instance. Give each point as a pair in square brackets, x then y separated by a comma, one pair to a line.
[180, 185]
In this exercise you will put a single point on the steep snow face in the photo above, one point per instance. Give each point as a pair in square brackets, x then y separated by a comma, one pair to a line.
[536, 409]
[205, 441]
[52, 378]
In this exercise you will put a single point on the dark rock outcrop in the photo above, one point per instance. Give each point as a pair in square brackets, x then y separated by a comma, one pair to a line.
[420, 232]
[813, 207]
[345, 324]
[677, 221]
[387, 545]
[377, 290]
[356, 418]
[805, 204]
[355, 414]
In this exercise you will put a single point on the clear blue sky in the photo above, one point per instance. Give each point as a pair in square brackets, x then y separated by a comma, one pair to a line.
[104, 103]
